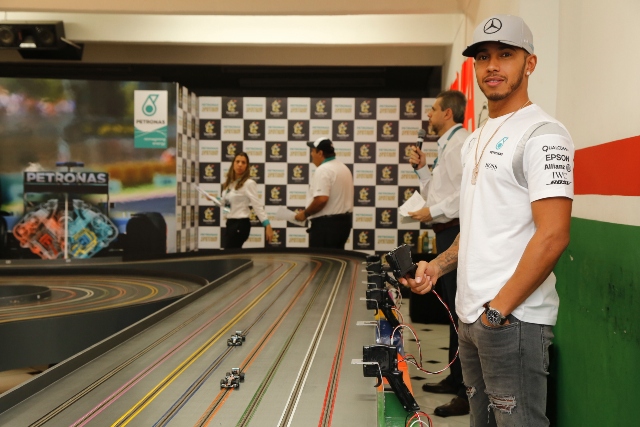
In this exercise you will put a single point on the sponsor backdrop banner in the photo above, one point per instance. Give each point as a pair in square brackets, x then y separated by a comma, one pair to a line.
[190, 215]
[371, 136]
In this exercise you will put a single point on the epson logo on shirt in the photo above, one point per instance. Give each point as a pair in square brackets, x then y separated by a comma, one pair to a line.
[561, 157]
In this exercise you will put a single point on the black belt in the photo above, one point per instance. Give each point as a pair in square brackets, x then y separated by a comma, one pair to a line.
[331, 217]
[437, 228]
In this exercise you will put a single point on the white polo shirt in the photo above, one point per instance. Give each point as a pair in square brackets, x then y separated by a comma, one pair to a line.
[333, 179]
[496, 221]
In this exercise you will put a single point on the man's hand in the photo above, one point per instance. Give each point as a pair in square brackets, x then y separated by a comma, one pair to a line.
[300, 216]
[417, 157]
[425, 279]
[422, 215]
[268, 233]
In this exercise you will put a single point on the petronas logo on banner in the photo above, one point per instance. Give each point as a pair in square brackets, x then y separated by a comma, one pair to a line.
[150, 118]
[149, 107]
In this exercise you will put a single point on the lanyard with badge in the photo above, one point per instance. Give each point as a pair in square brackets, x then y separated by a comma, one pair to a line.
[453, 132]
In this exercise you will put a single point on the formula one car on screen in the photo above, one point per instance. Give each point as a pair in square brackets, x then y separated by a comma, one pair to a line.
[43, 230]
[232, 379]
[236, 339]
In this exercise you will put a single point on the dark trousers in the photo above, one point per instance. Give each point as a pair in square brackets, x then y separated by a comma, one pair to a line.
[236, 232]
[330, 231]
[449, 285]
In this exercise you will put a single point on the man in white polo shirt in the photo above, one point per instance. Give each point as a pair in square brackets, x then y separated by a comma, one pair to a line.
[329, 199]
[515, 211]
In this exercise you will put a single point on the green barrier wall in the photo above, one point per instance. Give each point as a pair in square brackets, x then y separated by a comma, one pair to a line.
[596, 356]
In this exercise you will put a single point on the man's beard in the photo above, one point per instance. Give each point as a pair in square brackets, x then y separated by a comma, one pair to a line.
[512, 88]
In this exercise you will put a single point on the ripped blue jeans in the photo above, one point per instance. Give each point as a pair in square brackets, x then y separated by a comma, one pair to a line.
[505, 371]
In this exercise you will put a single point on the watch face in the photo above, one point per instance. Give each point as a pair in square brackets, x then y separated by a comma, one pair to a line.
[494, 317]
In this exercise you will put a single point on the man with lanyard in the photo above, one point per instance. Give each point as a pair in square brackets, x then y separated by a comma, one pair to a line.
[515, 213]
[329, 199]
[441, 191]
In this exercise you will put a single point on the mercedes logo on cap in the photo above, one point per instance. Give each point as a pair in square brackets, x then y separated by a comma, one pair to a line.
[492, 26]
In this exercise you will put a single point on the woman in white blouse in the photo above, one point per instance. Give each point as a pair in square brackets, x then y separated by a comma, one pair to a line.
[240, 192]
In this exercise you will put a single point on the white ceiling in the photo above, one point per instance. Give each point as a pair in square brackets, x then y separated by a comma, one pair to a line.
[201, 31]
[241, 7]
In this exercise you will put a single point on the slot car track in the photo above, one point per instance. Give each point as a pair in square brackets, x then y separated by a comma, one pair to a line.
[298, 313]
[71, 306]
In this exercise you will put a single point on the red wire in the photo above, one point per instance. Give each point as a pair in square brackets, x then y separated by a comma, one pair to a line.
[417, 417]
[409, 358]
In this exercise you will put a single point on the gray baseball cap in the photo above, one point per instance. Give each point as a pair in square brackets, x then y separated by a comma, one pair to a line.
[507, 29]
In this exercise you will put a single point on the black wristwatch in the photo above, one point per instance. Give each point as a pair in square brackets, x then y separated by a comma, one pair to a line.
[494, 317]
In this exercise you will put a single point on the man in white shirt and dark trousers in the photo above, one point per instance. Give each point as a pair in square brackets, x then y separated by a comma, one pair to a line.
[515, 213]
[329, 199]
[441, 191]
